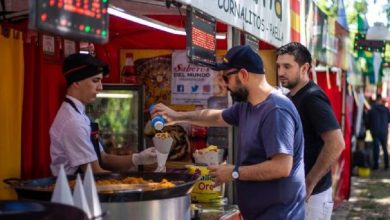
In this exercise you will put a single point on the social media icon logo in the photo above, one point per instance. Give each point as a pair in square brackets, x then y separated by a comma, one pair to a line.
[206, 88]
[194, 88]
[180, 88]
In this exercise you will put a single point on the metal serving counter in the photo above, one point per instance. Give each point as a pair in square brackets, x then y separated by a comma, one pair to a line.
[215, 212]
[173, 208]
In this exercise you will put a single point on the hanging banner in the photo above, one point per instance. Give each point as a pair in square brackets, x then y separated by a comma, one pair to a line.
[316, 31]
[267, 20]
[325, 38]
[191, 84]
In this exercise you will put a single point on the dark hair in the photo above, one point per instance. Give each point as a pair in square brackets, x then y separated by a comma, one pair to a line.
[378, 97]
[301, 53]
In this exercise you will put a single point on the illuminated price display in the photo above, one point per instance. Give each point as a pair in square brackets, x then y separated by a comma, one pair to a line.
[85, 20]
[201, 37]
[369, 45]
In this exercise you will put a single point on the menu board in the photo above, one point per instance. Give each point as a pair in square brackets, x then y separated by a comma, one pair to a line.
[85, 20]
[201, 37]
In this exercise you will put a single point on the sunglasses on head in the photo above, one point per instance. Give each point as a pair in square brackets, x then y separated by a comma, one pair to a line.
[225, 76]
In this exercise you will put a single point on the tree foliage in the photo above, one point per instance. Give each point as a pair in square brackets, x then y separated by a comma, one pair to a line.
[329, 7]
[354, 8]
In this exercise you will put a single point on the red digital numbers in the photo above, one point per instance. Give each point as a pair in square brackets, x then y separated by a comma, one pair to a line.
[90, 8]
[203, 39]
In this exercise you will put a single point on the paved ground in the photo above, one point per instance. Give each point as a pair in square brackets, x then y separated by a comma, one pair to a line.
[370, 198]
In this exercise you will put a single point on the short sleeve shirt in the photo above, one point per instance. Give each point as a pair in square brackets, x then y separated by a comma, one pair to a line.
[70, 142]
[268, 128]
[317, 117]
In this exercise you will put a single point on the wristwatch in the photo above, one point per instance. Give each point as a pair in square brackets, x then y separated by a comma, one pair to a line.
[235, 173]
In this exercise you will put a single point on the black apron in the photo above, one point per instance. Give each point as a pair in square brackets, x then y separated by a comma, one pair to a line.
[94, 133]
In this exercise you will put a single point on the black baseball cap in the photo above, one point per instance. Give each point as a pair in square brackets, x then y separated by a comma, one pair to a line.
[241, 57]
[79, 66]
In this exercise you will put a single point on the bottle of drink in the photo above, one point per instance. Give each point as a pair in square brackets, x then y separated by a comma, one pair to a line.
[128, 73]
[158, 122]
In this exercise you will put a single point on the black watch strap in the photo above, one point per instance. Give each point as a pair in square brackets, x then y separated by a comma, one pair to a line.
[235, 173]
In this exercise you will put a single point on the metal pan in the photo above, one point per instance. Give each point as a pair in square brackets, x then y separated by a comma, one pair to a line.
[38, 210]
[36, 189]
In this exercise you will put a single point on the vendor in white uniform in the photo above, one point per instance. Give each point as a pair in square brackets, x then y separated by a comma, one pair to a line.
[70, 133]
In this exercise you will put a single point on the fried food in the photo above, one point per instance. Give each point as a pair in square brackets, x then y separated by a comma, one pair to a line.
[211, 148]
[150, 184]
[164, 184]
[162, 135]
[210, 155]
[180, 149]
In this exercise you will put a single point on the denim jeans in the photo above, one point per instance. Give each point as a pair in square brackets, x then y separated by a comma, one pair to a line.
[380, 140]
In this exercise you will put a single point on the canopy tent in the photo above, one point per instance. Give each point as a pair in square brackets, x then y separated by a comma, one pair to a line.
[43, 82]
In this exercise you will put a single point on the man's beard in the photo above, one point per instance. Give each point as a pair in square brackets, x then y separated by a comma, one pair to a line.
[241, 93]
[290, 84]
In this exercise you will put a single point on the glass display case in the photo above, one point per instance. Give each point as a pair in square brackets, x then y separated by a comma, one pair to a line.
[118, 110]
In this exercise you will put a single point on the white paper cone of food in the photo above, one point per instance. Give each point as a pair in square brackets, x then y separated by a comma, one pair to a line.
[208, 156]
[79, 198]
[162, 145]
[62, 193]
[161, 169]
[91, 193]
[161, 158]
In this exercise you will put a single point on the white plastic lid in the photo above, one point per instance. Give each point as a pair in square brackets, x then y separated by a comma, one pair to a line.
[158, 125]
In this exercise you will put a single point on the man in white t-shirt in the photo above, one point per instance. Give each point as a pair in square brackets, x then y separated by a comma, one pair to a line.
[70, 132]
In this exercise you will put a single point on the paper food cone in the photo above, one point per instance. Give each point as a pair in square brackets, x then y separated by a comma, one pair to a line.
[79, 198]
[207, 158]
[162, 145]
[62, 193]
[161, 158]
[91, 193]
[161, 169]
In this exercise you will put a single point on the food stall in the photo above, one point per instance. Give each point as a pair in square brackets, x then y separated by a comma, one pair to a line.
[141, 55]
